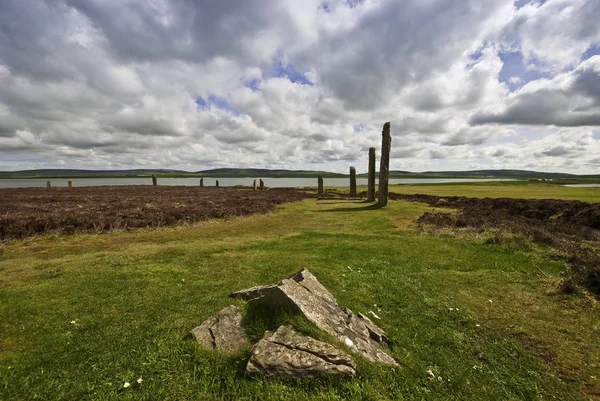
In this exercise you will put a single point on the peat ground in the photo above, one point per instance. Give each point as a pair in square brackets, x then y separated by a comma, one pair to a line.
[30, 211]
[570, 226]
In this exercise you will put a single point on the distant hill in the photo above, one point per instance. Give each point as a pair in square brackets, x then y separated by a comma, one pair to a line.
[219, 172]
[281, 173]
[258, 172]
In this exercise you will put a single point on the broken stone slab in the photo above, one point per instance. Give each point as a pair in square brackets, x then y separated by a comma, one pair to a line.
[226, 331]
[289, 353]
[304, 292]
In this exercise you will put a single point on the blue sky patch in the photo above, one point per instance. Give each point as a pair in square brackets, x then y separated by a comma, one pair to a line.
[522, 3]
[253, 84]
[514, 72]
[593, 50]
[218, 102]
[358, 127]
[290, 72]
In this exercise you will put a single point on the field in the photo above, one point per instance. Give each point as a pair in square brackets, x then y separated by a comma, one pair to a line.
[472, 314]
[28, 211]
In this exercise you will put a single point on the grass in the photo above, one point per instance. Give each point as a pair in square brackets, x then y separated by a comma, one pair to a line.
[82, 314]
[517, 189]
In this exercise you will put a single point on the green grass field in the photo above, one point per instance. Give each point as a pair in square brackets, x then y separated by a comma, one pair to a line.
[468, 319]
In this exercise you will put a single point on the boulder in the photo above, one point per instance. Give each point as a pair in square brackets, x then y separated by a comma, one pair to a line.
[226, 331]
[289, 353]
[304, 292]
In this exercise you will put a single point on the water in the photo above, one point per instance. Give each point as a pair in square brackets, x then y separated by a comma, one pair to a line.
[224, 182]
[582, 185]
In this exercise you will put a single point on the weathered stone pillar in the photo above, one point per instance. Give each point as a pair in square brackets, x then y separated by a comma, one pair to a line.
[70, 184]
[371, 183]
[48, 184]
[154, 180]
[202, 182]
[254, 185]
[384, 166]
[217, 183]
[320, 185]
[352, 182]
[262, 185]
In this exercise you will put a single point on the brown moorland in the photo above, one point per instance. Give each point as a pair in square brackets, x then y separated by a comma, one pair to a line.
[31, 211]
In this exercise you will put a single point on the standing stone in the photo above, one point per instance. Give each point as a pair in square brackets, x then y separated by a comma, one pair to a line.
[384, 166]
[254, 185]
[371, 184]
[48, 184]
[217, 183]
[262, 185]
[352, 182]
[225, 331]
[202, 182]
[320, 185]
[153, 180]
[289, 353]
[70, 184]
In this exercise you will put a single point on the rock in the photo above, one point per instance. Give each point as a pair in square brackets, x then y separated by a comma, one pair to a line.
[289, 353]
[384, 165]
[352, 182]
[225, 331]
[371, 176]
[304, 292]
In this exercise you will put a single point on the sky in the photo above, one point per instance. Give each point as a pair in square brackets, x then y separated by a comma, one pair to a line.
[200, 84]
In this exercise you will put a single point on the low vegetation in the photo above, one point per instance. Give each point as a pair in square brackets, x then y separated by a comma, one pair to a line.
[31, 211]
[469, 318]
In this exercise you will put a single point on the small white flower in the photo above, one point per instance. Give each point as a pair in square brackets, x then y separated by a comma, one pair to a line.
[126, 384]
[489, 300]
[73, 321]
[450, 309]
[477, 325]
[348, 267]
[348, 342]
[139, 380]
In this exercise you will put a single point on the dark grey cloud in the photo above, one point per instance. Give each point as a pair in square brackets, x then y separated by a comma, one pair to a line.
[557, 151]
[392, 46]
[571, 100]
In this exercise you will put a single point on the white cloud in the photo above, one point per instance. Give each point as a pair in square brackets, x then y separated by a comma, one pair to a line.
[289, 84]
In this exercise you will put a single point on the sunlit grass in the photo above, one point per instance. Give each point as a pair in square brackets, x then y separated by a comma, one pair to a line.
[81, 315]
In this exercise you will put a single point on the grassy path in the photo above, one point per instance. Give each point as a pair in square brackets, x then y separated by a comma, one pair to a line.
[469, 320]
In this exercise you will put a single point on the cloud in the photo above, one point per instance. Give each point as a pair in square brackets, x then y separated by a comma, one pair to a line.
[570, 99]
[191, 84]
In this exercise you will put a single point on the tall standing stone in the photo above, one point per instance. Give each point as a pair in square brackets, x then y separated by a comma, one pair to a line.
[254, 185]
[217, 183]
[70, 184]
[48, 184]
[352, 182]
[320, 185]
[202, 182]
[384, 166]
[262, 185]
[153, 180]
[371, 177]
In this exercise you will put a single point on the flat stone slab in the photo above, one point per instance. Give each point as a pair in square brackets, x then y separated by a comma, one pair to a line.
[226, 331]
[289, 353]
[303, 291]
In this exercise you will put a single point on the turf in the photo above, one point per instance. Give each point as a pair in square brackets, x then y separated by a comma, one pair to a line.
[81, 315]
